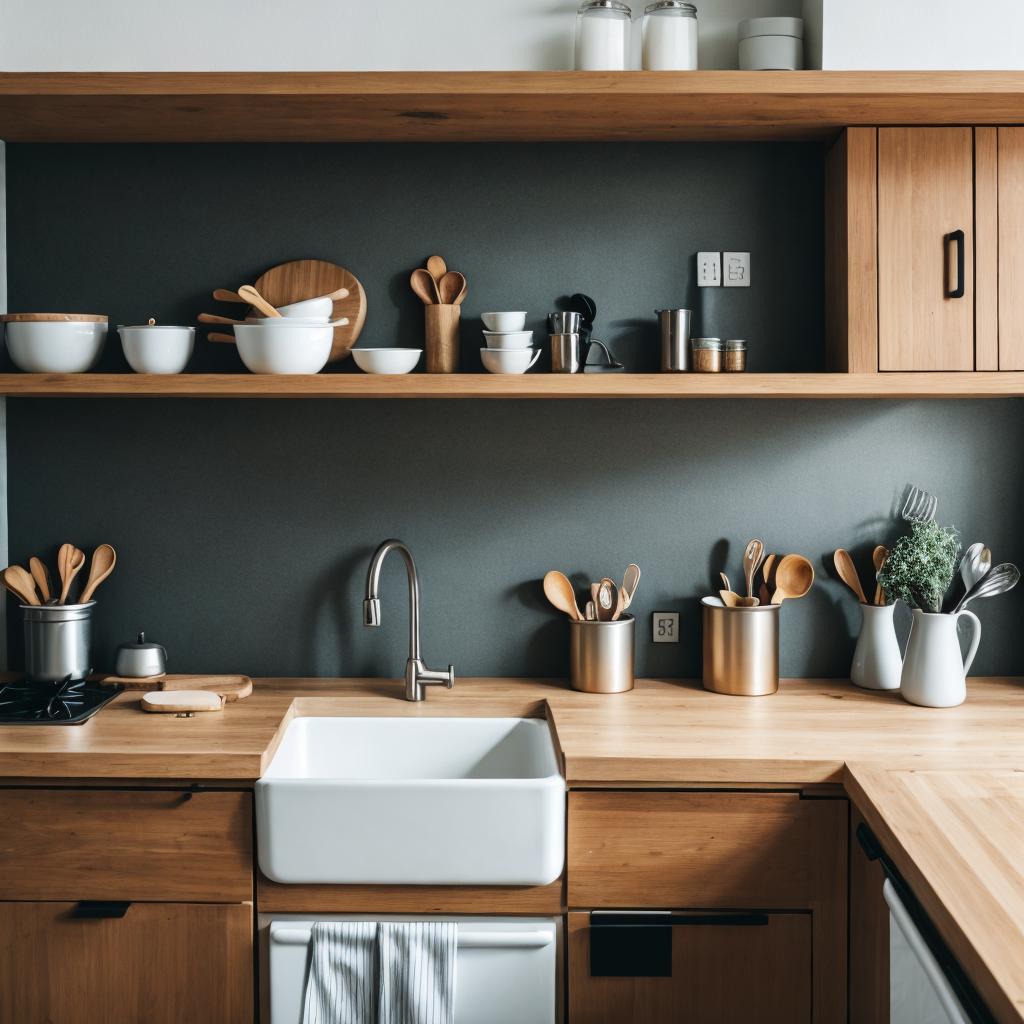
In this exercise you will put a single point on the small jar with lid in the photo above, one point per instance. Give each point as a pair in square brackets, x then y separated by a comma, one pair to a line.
[602, 35]
[669, 30]
[734, 356]
[707, 355]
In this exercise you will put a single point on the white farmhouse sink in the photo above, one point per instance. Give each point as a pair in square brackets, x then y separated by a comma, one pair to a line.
[413, 801]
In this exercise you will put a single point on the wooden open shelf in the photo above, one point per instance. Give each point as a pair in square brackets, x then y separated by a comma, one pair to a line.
[491, 106]
[533, 385]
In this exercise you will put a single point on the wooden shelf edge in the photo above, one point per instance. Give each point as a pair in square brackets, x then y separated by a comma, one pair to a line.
[533, 385]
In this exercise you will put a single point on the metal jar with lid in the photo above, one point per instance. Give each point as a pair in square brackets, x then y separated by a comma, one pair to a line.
[707, 355]
[734, 356]
[669, 31]
[141, 659]
[602, 35]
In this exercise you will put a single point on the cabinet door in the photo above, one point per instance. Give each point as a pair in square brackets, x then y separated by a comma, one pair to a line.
[926, 249]
[161, 963]
[1011, 248]
[720, 974]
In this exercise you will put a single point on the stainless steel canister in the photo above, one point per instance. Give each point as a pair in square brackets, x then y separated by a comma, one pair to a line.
[566, 353]
[601, 655]
[675, 339]
[58, 641]
[740, 649]
[565, 323]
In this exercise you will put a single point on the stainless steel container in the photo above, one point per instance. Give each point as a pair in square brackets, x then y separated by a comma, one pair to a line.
[141, 660]
[58, 641]
[675, 339]
[566, 353]
[601, 655]
[740, 649]
[564, 323]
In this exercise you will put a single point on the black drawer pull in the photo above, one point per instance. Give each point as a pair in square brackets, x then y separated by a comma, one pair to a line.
[957, 237]
[95, 909]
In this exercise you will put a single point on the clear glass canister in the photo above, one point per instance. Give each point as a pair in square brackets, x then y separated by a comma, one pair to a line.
[602, 36]
[669, 36]
[707, 355]
[735, 356]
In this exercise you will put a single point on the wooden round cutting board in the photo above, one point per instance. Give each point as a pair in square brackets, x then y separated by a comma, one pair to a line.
[306, 279]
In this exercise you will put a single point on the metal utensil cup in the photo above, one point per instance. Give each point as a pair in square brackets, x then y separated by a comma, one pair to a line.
[740, 649]
[58, 641]
[675, 339]
[566, 353]
[564, 323]
[601, 655]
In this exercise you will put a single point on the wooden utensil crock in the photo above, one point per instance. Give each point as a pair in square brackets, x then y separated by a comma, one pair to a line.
[442, 337]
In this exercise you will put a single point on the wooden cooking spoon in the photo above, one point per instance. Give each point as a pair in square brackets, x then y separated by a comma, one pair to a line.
[752, 556]
[69, 563]
[436, 267]
[765, 590]
[558, 590]
[425, 287]
[878, 557]
[20, 583]
[452, 288]
[630, 581]
[848, 573]
[729, 599]
[104, 558]
[226, 295]
[249, 294]
[41, 575]
[607, 600]
[212, 318]
[794, 577]
[225, 339]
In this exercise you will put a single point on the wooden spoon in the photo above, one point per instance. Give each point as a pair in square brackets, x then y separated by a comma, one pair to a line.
[729, 599]
[752, 556]
[41, 575]
[452, 288]
[225, 295]
[69, 563]
[104, 558]
[437, 268]
[607, 600]
[226, 339]
[630, 581]
[558, 590]
[20, 583]
[848, 573]
[425, 287]
[249, 294]
[725, 581]
[212, 318]
[878, 557]
[794, 577]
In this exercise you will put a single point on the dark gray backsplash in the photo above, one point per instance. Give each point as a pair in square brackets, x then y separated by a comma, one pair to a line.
[244, 528]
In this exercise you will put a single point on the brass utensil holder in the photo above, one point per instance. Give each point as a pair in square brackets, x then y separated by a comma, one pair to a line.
[601, 655]
[442, 337]
[740, 649]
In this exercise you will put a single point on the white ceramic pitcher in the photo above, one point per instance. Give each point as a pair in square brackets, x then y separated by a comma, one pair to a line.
[877, 662]
[934, 671]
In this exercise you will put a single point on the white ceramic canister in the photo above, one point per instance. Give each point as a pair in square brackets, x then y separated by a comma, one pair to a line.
[154, 348]
[771, 44]
[934, 671]
[602, 36]
[877, 662]
[669, 32]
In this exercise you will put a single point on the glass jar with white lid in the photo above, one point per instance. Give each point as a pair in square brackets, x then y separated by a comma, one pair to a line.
[602, 35]
[669, 32]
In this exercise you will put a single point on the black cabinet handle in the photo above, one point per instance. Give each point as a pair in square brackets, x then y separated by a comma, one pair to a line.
[95, 909]
[958, 239]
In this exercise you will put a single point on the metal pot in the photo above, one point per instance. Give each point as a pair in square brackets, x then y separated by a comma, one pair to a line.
[141, 659]
[58, 641]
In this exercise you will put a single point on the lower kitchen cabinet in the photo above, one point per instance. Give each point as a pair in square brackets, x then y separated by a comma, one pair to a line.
[722, 968]
[159, 963]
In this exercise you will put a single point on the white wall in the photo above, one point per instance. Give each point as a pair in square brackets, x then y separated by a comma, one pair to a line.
[324, 35]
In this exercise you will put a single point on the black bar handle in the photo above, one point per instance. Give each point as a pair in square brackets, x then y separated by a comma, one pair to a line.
[959, 239]
[662, 919]
[97, 909]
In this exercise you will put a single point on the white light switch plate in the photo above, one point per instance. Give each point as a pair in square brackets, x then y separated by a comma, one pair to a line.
[665, 628]
[736, 269]
[709, 270]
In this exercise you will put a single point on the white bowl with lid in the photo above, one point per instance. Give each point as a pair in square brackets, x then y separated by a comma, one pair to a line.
[157, 348]
[55, 342]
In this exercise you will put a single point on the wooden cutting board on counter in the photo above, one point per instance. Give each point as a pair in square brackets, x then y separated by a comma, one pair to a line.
[231, 688]
[306, 279]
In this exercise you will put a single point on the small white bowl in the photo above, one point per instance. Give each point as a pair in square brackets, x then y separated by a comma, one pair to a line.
[155, 348]
[504, 321]
[509, 360]
[297, 321]
[386, 360]
[55, 346]
[508, 339]
[319, 308]
[284, 348]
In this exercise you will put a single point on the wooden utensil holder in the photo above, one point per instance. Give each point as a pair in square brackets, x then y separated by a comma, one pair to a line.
[442, 338]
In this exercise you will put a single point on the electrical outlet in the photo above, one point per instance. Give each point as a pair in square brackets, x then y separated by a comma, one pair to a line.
[665, 628]
[709, 269]
[736, 269]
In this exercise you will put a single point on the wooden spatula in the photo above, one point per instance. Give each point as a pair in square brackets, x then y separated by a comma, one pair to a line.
[41, 575]
[69, 563]
[18, 581]
[249, 294]
[104, 558]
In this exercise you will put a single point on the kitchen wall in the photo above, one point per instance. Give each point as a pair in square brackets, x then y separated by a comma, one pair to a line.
[244, 527]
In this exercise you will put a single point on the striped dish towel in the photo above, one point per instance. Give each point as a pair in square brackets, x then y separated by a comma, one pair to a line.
[364, 972]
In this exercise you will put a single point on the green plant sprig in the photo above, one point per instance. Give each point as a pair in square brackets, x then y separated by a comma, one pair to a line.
[921, 565]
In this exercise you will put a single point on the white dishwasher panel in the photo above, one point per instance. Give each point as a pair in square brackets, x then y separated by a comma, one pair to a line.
[506, 968]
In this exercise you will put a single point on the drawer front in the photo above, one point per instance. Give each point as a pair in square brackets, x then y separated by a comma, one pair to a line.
[126, 845]
[710, 849]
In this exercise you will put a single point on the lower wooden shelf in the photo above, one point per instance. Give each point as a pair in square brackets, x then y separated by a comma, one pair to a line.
[533, 385]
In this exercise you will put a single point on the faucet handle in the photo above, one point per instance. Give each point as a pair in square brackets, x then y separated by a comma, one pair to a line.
[429, 677]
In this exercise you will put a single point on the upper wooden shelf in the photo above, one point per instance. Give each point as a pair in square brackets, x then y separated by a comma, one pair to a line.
[490, 105]
[531, 385]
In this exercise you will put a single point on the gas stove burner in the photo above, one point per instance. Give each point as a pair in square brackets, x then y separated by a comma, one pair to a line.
[68, 702]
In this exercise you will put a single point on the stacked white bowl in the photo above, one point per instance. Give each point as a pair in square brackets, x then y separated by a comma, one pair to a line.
[509, 345]
[298, 341]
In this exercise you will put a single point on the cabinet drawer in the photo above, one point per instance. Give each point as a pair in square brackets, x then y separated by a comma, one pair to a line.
[87, 844]
[704, 849]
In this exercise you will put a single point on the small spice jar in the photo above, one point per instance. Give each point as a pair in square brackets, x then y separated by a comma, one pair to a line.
[735, 356]
[602, 35]
[669, 30]
[707, 355]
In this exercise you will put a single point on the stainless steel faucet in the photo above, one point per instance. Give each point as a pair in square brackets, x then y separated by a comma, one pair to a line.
[417, 675]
